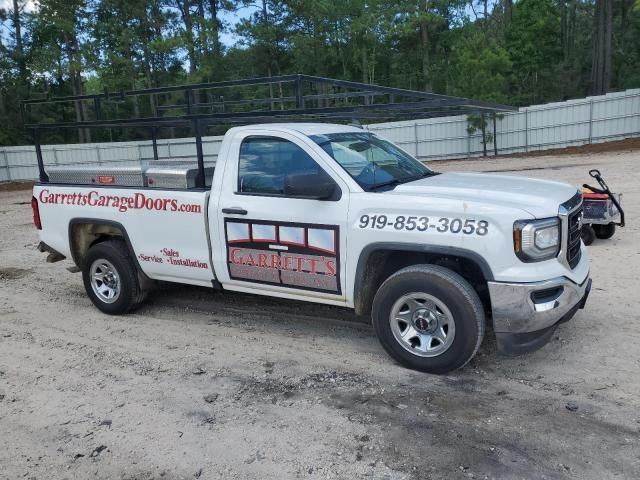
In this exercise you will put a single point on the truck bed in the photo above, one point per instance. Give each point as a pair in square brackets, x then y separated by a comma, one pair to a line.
[162, 217]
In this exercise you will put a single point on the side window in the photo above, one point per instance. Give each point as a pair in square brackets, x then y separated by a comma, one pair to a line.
[266, 161]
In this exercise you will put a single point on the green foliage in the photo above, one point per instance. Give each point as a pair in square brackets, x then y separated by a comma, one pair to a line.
[481, 70]
[533, 43]
[520, 53]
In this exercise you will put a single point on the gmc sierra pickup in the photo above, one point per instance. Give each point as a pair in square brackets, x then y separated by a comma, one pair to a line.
[336, 215]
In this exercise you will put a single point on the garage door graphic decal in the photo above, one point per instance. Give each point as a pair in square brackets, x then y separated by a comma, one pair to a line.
[294, 255]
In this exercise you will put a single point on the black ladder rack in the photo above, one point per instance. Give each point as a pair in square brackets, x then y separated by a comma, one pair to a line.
[284, 98]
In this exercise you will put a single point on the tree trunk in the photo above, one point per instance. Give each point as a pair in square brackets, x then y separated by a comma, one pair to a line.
[424, 40]
[185, 13]
[147, 60]
[265, 20]
[571, 27]
[75, 73]
[626, 6]
[601, 53]
[606, 74]
[19, 52]
[337, 44]
[508, 12]
[147, 74]
[424, 37]
[365, 63]
[215, 28]
[159, 57]
[136, 107]
[485, 18]
[3, 106]
[203, 46]
[564, 30]
[84, 134]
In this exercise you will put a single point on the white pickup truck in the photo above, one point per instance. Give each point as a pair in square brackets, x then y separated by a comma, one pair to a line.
[337, 215]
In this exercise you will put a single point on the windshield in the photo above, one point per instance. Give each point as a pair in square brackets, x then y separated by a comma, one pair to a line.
[372, 162]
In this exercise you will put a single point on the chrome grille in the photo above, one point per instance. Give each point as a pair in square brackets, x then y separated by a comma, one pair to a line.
[574, 225]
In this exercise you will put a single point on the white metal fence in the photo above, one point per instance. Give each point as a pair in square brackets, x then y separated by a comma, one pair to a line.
[555, 125]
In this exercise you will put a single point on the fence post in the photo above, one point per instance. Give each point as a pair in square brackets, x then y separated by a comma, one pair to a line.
[55, 156]
[495, 136]
[140, 154]
[98, 154]
[526, 130]
[590, 121]
[42, 173]
[300, 92]
[415, 136]
[200, 177]
[6, 164]
[154, 142]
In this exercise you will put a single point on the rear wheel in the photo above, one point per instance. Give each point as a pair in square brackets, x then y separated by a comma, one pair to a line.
[605, 231]
[428, 318]
[111, 279]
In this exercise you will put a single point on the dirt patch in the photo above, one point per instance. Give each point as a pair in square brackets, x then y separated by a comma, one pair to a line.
[10, 273]
[16, 186]
[604, 147]
[198, 384]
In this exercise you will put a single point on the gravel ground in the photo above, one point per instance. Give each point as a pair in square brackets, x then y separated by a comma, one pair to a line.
[206, 385]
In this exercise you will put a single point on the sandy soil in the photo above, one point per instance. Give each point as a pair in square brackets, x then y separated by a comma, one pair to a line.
[204, 385]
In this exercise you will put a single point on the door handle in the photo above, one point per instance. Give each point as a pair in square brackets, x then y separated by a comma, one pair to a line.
[234, 211]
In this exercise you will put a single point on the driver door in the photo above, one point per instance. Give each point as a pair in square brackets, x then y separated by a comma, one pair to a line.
[275, 243]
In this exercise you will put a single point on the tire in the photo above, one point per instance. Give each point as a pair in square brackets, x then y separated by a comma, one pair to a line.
[588, 234]
[604, 232]
[449, 306]
[116, 277]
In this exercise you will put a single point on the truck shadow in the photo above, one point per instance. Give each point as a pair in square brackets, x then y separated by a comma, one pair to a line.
[206, 300]
[282, 315]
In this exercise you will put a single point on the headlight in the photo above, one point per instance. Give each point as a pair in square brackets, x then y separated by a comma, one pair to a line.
[536, 240]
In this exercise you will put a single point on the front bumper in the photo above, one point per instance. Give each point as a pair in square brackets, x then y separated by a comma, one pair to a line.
[525, 315]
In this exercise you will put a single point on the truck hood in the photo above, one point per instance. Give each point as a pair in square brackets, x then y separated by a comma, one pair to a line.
[540, 198]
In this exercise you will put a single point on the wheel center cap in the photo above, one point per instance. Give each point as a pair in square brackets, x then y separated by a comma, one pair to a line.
[425, 321]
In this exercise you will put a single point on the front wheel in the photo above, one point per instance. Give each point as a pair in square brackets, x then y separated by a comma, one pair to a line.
[111, 279]
[428, 318]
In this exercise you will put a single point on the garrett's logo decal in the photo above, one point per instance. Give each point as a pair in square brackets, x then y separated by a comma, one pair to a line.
[122, 203]
[289, 254]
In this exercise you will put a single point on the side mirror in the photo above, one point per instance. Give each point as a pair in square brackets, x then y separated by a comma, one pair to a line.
[315, 186]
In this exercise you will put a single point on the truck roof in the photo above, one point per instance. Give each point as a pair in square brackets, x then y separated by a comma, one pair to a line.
[304, 128]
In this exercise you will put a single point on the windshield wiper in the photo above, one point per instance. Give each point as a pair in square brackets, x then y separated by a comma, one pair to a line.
[417, 177]
[398, 181]
[390, 183]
